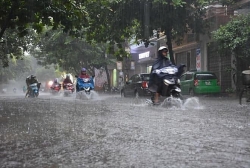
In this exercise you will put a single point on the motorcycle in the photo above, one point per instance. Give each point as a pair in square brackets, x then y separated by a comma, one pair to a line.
[68, 89]
[55, 89]
[170, 82]
[115, 90]
[85, 85]
[34, 90]
[105, 88]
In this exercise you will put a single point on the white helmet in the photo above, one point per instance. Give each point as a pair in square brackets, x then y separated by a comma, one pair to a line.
[162, 48]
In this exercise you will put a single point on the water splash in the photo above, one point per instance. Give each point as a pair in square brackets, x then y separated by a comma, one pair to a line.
[84, 96]
[192, 103]
[172, 102]
[176, 103]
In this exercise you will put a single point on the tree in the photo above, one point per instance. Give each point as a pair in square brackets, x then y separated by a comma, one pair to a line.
[49, 73]
[234, 38]
[71, 54]
[106, 21]
[20, 15]
[117, 22]
[14, 47]
[24, 13]
[17, 70]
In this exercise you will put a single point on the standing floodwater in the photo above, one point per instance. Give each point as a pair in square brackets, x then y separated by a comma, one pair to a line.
[57, 131]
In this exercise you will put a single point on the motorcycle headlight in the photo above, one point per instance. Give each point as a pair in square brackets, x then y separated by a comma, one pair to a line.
[85, 79]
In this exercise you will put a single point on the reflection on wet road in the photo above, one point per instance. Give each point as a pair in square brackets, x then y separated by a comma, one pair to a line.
[109, 131]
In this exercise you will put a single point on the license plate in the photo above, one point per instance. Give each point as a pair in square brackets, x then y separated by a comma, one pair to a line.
[207, 83]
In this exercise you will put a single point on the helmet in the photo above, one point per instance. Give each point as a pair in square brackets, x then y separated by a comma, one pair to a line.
[32, 76]
[83, 70]
[163, 48]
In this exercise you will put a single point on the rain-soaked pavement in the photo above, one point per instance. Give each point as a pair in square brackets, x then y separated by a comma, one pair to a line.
[109, 131]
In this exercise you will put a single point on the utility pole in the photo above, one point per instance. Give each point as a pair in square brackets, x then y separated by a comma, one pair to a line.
[146, 23]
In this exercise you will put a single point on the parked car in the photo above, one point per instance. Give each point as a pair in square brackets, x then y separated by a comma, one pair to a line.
[198, 82]
[136, 86]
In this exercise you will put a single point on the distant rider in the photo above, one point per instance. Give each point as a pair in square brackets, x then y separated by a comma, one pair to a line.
[55, 82]
[84, 73]
[66, 81]
[31, 80]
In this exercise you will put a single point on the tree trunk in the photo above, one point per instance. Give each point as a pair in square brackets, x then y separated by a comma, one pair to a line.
[169, 44]
[108, 77]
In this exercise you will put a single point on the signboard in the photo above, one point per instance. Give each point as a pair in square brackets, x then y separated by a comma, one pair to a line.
[144, 55]
[198, 59]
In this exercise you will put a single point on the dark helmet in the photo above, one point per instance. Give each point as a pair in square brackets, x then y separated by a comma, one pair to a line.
[32, 76]
[56, 80]
[83, 70]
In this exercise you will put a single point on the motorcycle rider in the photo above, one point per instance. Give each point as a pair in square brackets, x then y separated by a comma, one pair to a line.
[31, 80]
[55, 82]
[66, 80]
[155, 83]
[83, 75]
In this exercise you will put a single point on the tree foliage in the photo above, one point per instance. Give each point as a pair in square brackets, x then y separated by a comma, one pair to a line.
[71, 54]
[234, 37]
[20, 16]
[17, 69]
[106, 21]
[117, 22]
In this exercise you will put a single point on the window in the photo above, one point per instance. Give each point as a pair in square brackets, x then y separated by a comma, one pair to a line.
[134, 78]
[183, 77]
[205, 76]
[145, 77]
[137, 78]
[189, 76]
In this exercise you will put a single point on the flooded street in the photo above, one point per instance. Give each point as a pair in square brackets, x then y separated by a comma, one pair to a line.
[110, 131]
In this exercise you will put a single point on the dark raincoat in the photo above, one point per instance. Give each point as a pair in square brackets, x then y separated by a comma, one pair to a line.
[154, 80]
